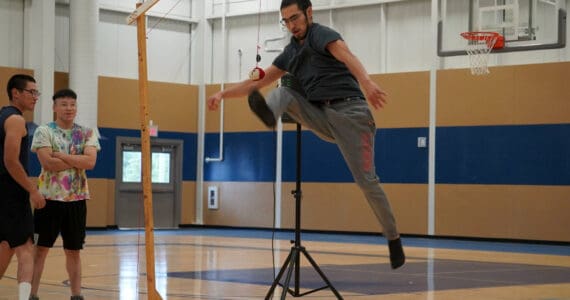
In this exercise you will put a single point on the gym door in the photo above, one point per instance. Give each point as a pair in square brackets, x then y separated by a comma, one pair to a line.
[166, 172]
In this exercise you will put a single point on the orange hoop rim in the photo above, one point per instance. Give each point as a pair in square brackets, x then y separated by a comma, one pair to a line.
[479, 35]
[485, 36]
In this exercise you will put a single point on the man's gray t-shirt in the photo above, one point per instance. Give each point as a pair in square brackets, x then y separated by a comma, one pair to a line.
[322, 76]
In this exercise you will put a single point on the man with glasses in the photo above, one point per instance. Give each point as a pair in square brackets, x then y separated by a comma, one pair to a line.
[329, 98]
[16, 221]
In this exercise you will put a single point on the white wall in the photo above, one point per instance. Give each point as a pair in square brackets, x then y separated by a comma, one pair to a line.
[168, 48]
[11, 33]
[409, 35]
[242, 34]
[401, 42]
[406, 39]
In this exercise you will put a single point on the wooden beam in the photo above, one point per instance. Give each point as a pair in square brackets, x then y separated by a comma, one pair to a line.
[145, 149]
[141, 9]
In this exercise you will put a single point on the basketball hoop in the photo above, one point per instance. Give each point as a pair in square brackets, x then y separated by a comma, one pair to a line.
[479, 45]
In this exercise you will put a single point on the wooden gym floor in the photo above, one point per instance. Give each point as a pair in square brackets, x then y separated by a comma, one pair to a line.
[198, 263]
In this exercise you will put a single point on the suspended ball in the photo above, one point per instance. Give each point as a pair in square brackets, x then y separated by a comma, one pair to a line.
[256, 74]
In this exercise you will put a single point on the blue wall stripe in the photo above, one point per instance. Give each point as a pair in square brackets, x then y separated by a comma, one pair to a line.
[512, 155]
[522, 154]
[105, 167]
[397, 158]
[250, 156]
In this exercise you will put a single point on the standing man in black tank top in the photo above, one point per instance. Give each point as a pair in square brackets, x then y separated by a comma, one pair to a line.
[17, 190]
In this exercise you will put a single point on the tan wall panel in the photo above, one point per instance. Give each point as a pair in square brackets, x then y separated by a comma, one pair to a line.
[101, 207]
[342, 207]
[542, 93]
[98, 205]
[464, 99]
[499, 211]
[5, 74]
[336, 207]
[111, 202]
[332, 206]
[238, 116]
[408, 100]
[60, 81]
[408, 105]
[523, 94]
[118, 103]
[246, 204]
[188, 203]
[173, 107]
[213, 117]
[410, 206]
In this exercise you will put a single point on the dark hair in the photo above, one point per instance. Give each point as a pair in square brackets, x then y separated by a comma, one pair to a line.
[64, 93]
[19, 82]
[302, 4]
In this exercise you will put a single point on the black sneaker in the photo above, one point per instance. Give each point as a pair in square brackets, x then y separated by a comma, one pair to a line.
[34, 297]
[77, 298]
[397, 257]
[259, 107]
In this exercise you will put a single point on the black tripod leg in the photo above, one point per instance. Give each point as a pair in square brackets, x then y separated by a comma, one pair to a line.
[293, 263]
[279, 275]
[323, 276]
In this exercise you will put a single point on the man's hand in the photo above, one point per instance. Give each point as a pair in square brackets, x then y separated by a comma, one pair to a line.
[214, 101]
[374, 94]
[38, 200]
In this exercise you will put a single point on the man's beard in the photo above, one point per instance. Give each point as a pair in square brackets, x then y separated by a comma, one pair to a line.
[302, 38]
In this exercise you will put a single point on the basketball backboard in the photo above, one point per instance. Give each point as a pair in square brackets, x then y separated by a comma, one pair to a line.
[524, 24]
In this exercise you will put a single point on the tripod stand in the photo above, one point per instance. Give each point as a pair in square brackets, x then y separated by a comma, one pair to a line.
[292, 262]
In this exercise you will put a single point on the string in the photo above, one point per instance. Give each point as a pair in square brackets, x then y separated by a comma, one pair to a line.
[163, 17]
[257, 55]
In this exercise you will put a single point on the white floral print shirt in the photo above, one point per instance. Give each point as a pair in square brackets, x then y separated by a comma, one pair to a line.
[69, 184]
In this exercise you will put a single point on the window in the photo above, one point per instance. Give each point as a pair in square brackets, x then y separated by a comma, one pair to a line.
[160, 167]
[132, 167]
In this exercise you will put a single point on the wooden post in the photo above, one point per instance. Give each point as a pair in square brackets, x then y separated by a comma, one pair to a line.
[139, 16]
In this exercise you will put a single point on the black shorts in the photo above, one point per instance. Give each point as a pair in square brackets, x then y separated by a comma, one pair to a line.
[16, 220]
[67, 218]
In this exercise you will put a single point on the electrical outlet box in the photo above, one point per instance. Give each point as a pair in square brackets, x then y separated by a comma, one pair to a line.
[422, 142]
[213, 197]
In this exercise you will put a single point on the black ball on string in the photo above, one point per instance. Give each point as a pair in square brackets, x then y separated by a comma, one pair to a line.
[258, 58]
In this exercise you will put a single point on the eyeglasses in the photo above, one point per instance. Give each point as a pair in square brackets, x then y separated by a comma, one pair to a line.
[290, 20]
[34, 93]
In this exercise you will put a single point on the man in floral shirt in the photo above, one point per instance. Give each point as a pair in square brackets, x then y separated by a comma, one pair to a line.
[65, 150]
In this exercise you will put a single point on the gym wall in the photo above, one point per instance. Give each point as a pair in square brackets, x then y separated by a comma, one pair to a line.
[502, 169]
[172, 106]
[5, 74]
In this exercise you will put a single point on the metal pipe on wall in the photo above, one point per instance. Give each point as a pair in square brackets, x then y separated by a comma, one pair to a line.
[224, 69]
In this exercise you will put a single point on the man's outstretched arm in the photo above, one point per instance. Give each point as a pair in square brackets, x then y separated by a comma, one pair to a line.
[373, 93]
[245, 87]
